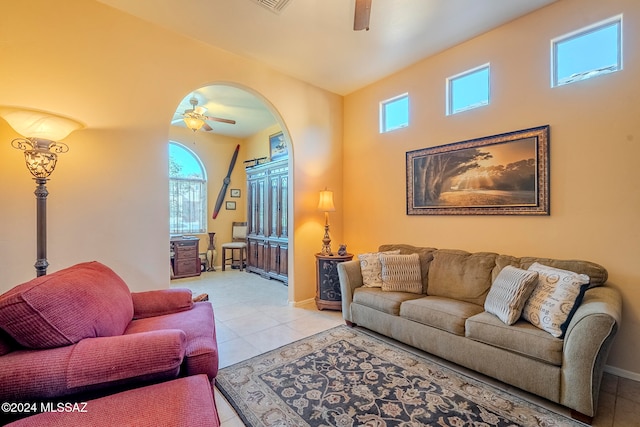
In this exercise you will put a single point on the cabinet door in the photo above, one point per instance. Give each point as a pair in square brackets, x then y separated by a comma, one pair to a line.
[284, 206]
[272, 258]
[252, 224]
[255, 255]
[274, 202]
[283, 261]
[277, 261]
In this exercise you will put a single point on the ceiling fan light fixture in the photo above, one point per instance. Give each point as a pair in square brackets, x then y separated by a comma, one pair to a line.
[193, 122]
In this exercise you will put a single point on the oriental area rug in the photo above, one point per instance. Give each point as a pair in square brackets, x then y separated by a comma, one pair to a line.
[348, 377]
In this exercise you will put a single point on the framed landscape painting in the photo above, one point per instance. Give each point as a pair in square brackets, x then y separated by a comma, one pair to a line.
[505, 174]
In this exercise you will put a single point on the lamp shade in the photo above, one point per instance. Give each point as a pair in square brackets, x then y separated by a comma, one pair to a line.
[193, 122]
[39, 124]
[326, 201]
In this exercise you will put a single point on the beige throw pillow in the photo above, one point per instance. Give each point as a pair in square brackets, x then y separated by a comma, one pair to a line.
[509, 293]
[554, 299]
[401, 273]
[371, 268]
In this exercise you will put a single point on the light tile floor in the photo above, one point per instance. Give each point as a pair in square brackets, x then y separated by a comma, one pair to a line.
[253, 316]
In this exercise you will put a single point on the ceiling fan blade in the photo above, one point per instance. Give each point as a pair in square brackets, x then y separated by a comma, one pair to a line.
[361, 18]
[206, 128]
[221, 120]
[225, 183]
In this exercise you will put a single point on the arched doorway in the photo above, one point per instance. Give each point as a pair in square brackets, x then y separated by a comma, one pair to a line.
[234, 115]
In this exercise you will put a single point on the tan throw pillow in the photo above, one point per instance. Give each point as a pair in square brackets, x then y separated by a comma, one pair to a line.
[401, 273]
[555, 298]
[509, 293]
[372, 269]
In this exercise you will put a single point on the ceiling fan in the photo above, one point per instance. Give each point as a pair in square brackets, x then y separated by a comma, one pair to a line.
[361, 18]
[195, 117]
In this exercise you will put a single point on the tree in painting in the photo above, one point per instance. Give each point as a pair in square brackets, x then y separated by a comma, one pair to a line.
[433, 171]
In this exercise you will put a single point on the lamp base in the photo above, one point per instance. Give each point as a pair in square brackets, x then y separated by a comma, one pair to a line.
[326, 242]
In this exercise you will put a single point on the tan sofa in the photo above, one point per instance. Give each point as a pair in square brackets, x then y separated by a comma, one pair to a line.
[448, 320]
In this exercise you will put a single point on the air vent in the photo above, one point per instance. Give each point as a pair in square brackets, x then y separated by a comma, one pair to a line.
[275, 6]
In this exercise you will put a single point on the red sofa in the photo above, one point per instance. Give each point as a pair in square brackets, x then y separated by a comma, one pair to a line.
[80, 332]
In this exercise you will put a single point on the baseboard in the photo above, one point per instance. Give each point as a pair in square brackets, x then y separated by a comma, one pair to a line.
[622, 373]
[302, 303]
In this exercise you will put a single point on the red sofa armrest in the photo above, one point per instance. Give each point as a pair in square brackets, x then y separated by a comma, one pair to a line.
[160, 302]
[104, 360]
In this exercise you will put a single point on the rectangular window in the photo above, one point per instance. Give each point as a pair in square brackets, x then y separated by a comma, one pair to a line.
[188, 206]
[394, 113]
[468, 90]
[587, 52]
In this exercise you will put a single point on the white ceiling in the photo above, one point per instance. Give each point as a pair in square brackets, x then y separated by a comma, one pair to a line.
[228, 102]
[314, 41]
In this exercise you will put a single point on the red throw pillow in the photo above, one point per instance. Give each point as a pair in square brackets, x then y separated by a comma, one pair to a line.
[83, 301]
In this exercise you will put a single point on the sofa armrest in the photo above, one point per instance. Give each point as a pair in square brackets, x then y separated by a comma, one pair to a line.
[34, 374]
[586, 346]
[97, 362]
[160, 302]
[350, 277]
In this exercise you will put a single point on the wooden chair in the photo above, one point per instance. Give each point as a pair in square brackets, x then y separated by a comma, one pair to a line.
[239, 243]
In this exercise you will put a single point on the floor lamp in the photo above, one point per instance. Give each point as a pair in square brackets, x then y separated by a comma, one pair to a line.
[40, 134]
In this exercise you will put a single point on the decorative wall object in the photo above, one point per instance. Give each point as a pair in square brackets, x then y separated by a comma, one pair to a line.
[230, 206]
[234, 192]
[506, 174]
[277, 146]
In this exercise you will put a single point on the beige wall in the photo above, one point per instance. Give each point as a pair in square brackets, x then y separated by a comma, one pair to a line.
[124, 78]
[594, 143]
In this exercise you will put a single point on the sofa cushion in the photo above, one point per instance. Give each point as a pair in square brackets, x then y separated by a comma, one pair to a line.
[521, 337]
[401, 273]
[442, 313]
[461, 275]
[183, 402]
[371, 268]
[509, 292]
[425, 254]
[384, 301]
[555, 298]
[83, 301]
[597, 274]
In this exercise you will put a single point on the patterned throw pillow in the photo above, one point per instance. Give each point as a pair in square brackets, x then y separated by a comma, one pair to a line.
[555, 298]
[401, 273]
[509, 292]
[372, 269]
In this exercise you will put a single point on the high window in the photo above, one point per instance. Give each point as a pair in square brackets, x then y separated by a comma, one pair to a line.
[587, 52]
[468, 90]
[187, 191]
[394, 113]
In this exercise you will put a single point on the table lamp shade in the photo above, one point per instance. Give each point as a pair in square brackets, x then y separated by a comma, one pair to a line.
[326, 201]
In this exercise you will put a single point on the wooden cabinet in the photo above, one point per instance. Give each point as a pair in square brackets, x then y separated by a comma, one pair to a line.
[185, 260]
[268, 220]
[328, 294]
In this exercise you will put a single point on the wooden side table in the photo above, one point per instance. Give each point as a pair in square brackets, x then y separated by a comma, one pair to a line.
[328, 293]
[185, 260]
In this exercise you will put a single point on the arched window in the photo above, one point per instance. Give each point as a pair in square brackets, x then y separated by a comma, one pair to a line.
[187, 191]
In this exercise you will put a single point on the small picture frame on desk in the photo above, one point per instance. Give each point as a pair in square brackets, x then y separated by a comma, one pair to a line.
[234, 192]
[230, 206]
